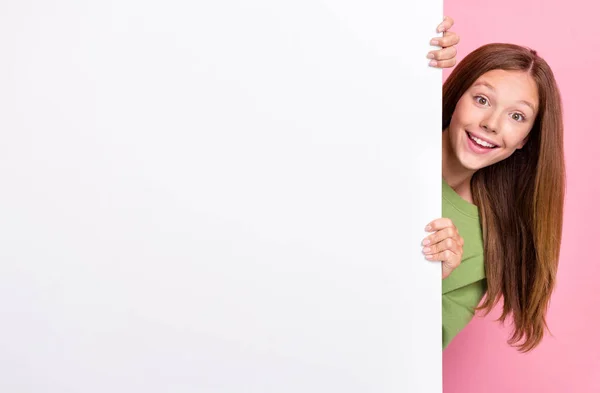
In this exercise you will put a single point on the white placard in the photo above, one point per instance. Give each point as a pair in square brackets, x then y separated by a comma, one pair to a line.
[219, 196]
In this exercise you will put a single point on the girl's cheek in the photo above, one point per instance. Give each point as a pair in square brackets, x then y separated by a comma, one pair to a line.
[514, 142]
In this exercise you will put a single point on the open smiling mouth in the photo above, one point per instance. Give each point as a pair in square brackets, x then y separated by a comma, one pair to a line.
[480, 142]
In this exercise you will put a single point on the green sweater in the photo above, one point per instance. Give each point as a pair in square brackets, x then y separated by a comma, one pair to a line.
[464, 288]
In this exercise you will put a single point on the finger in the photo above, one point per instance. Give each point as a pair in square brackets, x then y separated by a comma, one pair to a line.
[449, 262]
[443, 54]
[446, 24]
[439, 223]
[443, 242]
[446, 256]
[450, 244]
[448, 268]
[452, 261]
[449, 39]
[449, 232]
[442, 63]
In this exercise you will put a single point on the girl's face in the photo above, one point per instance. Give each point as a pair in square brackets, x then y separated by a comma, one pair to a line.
[493, 118]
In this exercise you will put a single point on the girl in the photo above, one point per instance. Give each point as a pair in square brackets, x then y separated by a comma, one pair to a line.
[503, 190]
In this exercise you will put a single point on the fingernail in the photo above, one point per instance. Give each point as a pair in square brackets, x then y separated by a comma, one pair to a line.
[441, 28]
[429, 256]
[433, 63]
[434, 42]
[426, 249]
[430, 55]
[426, 242]
[428, 228]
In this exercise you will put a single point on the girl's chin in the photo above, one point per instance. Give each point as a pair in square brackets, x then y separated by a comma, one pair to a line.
[473, 164]
[475, 161]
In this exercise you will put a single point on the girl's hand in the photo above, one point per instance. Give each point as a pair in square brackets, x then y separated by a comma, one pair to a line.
[444, 245]
[445, 57]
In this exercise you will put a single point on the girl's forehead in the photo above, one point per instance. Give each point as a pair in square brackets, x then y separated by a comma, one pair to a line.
[502, 79]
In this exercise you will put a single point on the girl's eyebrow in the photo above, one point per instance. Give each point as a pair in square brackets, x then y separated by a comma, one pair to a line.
[486, 84]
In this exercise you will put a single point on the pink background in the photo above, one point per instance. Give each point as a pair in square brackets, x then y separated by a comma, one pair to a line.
[566, 34]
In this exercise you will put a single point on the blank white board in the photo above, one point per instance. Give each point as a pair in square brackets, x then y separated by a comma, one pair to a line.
[219, 196]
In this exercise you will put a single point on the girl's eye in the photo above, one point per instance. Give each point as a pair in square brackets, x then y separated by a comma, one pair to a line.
[481, 100]
[518, 117]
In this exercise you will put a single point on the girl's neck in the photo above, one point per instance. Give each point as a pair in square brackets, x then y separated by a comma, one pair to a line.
[457, 177]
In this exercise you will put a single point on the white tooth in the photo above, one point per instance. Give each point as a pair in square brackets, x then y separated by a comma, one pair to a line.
[482, 142]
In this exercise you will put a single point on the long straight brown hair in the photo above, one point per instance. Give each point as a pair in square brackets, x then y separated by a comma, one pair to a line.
[520, 199]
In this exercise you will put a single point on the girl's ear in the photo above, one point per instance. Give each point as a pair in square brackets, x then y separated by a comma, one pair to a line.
[523, 142]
